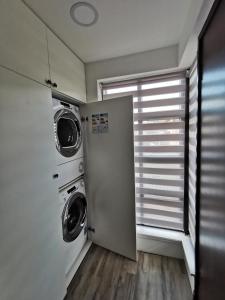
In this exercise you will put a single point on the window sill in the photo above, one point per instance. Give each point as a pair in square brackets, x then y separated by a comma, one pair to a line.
[171, 236]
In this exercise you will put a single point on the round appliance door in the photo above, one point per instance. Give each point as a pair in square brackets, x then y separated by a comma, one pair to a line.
[73, 217]
[67, 132]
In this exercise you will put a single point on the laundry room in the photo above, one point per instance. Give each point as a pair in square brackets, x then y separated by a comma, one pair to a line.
[112, 121]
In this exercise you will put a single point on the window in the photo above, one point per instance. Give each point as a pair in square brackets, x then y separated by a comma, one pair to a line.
[159, 139]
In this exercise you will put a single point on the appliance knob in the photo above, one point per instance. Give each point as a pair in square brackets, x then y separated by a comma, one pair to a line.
[81, 167]
[55, 176]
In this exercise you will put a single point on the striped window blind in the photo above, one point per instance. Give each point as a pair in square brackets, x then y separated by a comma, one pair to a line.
[193, 110]
[159, 138]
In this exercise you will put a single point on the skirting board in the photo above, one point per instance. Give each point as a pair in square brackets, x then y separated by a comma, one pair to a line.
[160, 246]
[190, 277]
[77, 263]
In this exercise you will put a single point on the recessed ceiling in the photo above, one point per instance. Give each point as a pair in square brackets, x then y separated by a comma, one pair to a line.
[84, 14]
[123, 27]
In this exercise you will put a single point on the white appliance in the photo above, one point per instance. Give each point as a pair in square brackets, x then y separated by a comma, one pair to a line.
[68, 132]
[68, 172]
[73, 207]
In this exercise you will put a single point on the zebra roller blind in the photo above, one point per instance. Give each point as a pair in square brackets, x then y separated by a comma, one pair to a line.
[193, 110]
[159, 135]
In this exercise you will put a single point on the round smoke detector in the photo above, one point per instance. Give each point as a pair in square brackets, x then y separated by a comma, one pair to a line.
[84, 14]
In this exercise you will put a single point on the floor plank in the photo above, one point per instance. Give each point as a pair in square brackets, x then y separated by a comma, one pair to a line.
[104, 275]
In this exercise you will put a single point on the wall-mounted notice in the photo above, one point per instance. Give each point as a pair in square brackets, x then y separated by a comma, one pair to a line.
[95, 123]
[100, 123]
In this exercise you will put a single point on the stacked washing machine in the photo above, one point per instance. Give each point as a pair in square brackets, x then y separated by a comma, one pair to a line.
[72, 197]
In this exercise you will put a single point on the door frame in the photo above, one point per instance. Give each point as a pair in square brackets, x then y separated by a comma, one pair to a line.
[199, 126]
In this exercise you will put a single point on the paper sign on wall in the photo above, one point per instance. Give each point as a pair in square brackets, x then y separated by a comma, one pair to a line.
[100, 123]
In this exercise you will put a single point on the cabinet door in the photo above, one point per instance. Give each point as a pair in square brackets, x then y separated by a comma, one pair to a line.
[23, 41]
[31, 252]
[67, 71]
[110, 176]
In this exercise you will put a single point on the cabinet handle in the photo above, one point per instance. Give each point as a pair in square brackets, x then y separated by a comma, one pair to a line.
[55, 176]
[48, 81]
[54, 85]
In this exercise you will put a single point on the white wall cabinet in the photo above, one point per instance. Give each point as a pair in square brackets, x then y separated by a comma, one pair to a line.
[66, 70]
[31, 253]
[23, 41]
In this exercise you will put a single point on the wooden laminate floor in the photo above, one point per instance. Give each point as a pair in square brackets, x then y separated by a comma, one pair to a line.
[104, 275]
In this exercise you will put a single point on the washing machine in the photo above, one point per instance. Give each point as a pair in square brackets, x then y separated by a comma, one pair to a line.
[73, 205]
[68, 132]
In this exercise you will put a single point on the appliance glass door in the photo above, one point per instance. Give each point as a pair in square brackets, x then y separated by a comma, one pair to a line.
[67, 133]
[73, 217]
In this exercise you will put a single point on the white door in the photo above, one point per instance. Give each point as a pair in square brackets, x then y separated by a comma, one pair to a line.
[31, 257]
[67, 70]
[23, 41]
[110, 176]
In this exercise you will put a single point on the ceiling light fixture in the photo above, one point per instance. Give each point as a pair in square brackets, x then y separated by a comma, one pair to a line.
[84, 14]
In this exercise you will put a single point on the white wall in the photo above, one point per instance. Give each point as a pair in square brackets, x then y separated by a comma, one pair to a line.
[189, 26]
[181, 55]
[188, 44]
[148, 61]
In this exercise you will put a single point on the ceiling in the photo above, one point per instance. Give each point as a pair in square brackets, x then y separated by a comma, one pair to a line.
[124, 26]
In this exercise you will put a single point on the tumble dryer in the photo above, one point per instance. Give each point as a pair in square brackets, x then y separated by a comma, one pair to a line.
[74, 224]
[68, 133]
